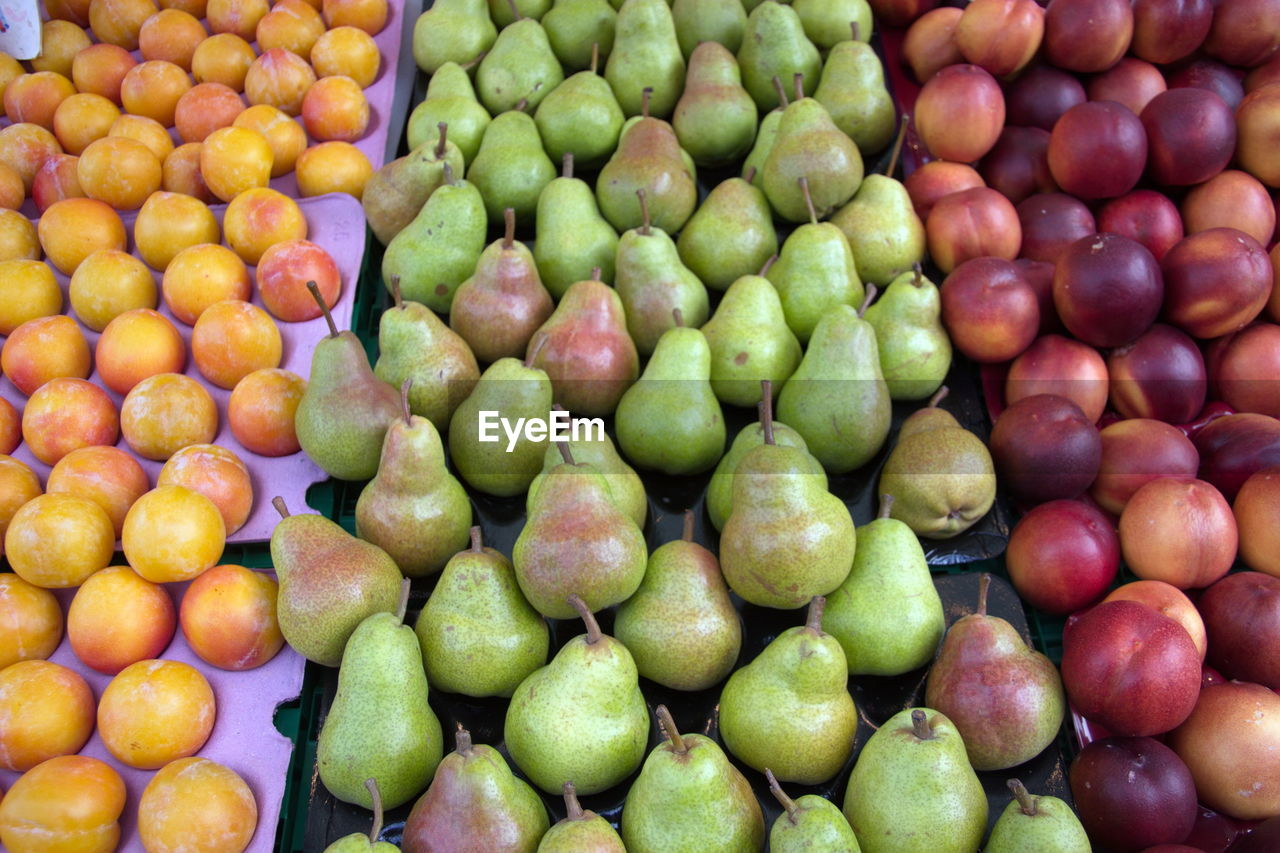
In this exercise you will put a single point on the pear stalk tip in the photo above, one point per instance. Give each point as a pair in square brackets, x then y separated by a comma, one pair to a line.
[595, 57]
[515, 10]
[749, 174]
[403, 606]
[397, 298]
[521, 105]
[278, 503]
[870, 296]
[854, 30]
[678, 316]
[566, 165]
[920, 725]
[938, 397]
[813, 621]
[918, 279]
[766, 410]
[443, 127]
[645, 95]
[1026, 801]
[984, 587]
[886, 506]
[797, 82]
[324, 307]
[565, 453]
[644, 211]
[477, 539]
[539, 341]
[669, 728]
[781, 90]
[595, 273]
[446, 172]
[375, 795]
[404, 401]
[594, 634]
[509, 228]
[788, 804]
[572, 807]
[808, 198]
[897, 147]
[768, 265]
[687, 533]
[462, 741]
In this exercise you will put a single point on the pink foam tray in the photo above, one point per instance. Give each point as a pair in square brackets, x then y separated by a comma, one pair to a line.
[244, 736]
[335, 222]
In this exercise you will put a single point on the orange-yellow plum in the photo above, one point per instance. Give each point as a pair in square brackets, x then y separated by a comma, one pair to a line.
[75, 11]
[232, 339]
[284, 135]
[65, 414]
[25, 147]
[279, 78]
[56, 180]
[368, 15]
[236, 16]
[223, 58]
[194, 805]
[205, 108]
[194, 8]
[74, 228]
[293, 25]
[218, 474]
[10, 70]
[119, 22]
[119, 171]
[43, 349]
[35, 97]
[165, 413]
[18, 237]
[60, 41]
[28, 290]
[10, 436]
[81, 119]
[348, 51]
[30, 619]
[333, 167]
[228, 616]
[117, 618]
[170, 222]
[258, 219]
[152, 89]
[46, 710]
[283, 272]
[261, 411]
[173, 533]
[13, 192]
[181, 173]
[107, 284]
[155, 711]
[58, 541]
[18, 485]
[100, 69]
[200, 276]
[335, 108]
[137, 345]
[148, 131]
[233, 160]
[108, 476]
[171, 35]
[68, 803]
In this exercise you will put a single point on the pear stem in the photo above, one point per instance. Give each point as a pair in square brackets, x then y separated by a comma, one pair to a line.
[462, 741]
[678, 316]
[467, 66]
[766, 409]
[566, 168]
[687, 533]
[397, 299]
[278, 503]
[782, 92]
[868, 299]
[595, 273]
[1024, 798]
[984, 586]
[645, 94]
[808, 198]
[374, 794]
[920, 724]
[749, 174]
[324, 307]
[515, 10]
[644, 211]
[938, 397]
[588, 618]
[404, 400]
[918, 280]
[539, 341]
[443, 127]
[797, 82]
[595, 56]
[814, 621]
[403, 606]
[669, 726]
[788, 804]
[477, 540]
[509, 221]
[773, 259]
[565, 454]
[521, 105]
[886, 506]
[853, 28]
[897, 148]
[446, 172]
[571, 804]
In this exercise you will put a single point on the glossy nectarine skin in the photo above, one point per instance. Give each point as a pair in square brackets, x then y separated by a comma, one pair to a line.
[72, 802]
[1144, 216]
[1097, 150]
[1044, 448]
[1216, 281]
[348, 51]
[1159, 803]
[1018, 166]
[1170, 601]
[1165, 31]
[959, 113]
[1258, 128]
[117, 618]
[1087, 35]
[1180, 531]
[1257, 512]
[156, 711]
[1231, 199]
[1001, 36]
[1245, 372]
[1107, 289]
[1191, 136]
[1136, 451]
[1062, 556]
[989, 309]
[1040, 95]
[228, 617]
[936, 180]
[1161, 375]
[1055, 364]
[1050, 222]
[973, 223]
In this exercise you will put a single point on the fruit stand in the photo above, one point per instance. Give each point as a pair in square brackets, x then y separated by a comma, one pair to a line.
[639, 425]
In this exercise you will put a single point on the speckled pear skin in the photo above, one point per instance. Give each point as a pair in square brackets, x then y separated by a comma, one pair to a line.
[580, 718]
[329, 582]
[1051, 826]
[479, 636]
[359, 843]
[720, 489]
[800, 676]
[625, 486]
[476, 803]
[581, 831]
[816, 826]
[691, 800]
[908, 795]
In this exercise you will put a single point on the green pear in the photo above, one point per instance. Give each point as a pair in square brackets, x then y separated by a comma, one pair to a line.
[329, 582]
[649, 158]
[581, 718]
[698, 21]
[750, 342]
[576, 538]
[358, 842]
[887, 614]
[688, 796]
[940, 474]
[765, 137]
[853, 91]
[414, 509]
[1044, 824]
[720, 489]
[415, 345]
[810, 824]
[837, 398]
[814, 273]
[581, 32]
[450, 99]
[581, 831]
[519, 67]
[715, 118]
[653, 284]
[475, 802]
[787, 538]
[885, 234]
[507, 12]
[513, 393]
[581, 117]
[646, 55]
[730, 235]
[1005, 698]
[572, 237]
[478, 635]
[774, 45]
[345, 410]
[800, 675]
[399, 189]
[511, 169]
[380, 725]
[827, 22]
[915, 352]
[810, 146]
[625, 486]
[438, 250]
[680, 625]
[670, 420]
[452, 31]
[912, 789]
